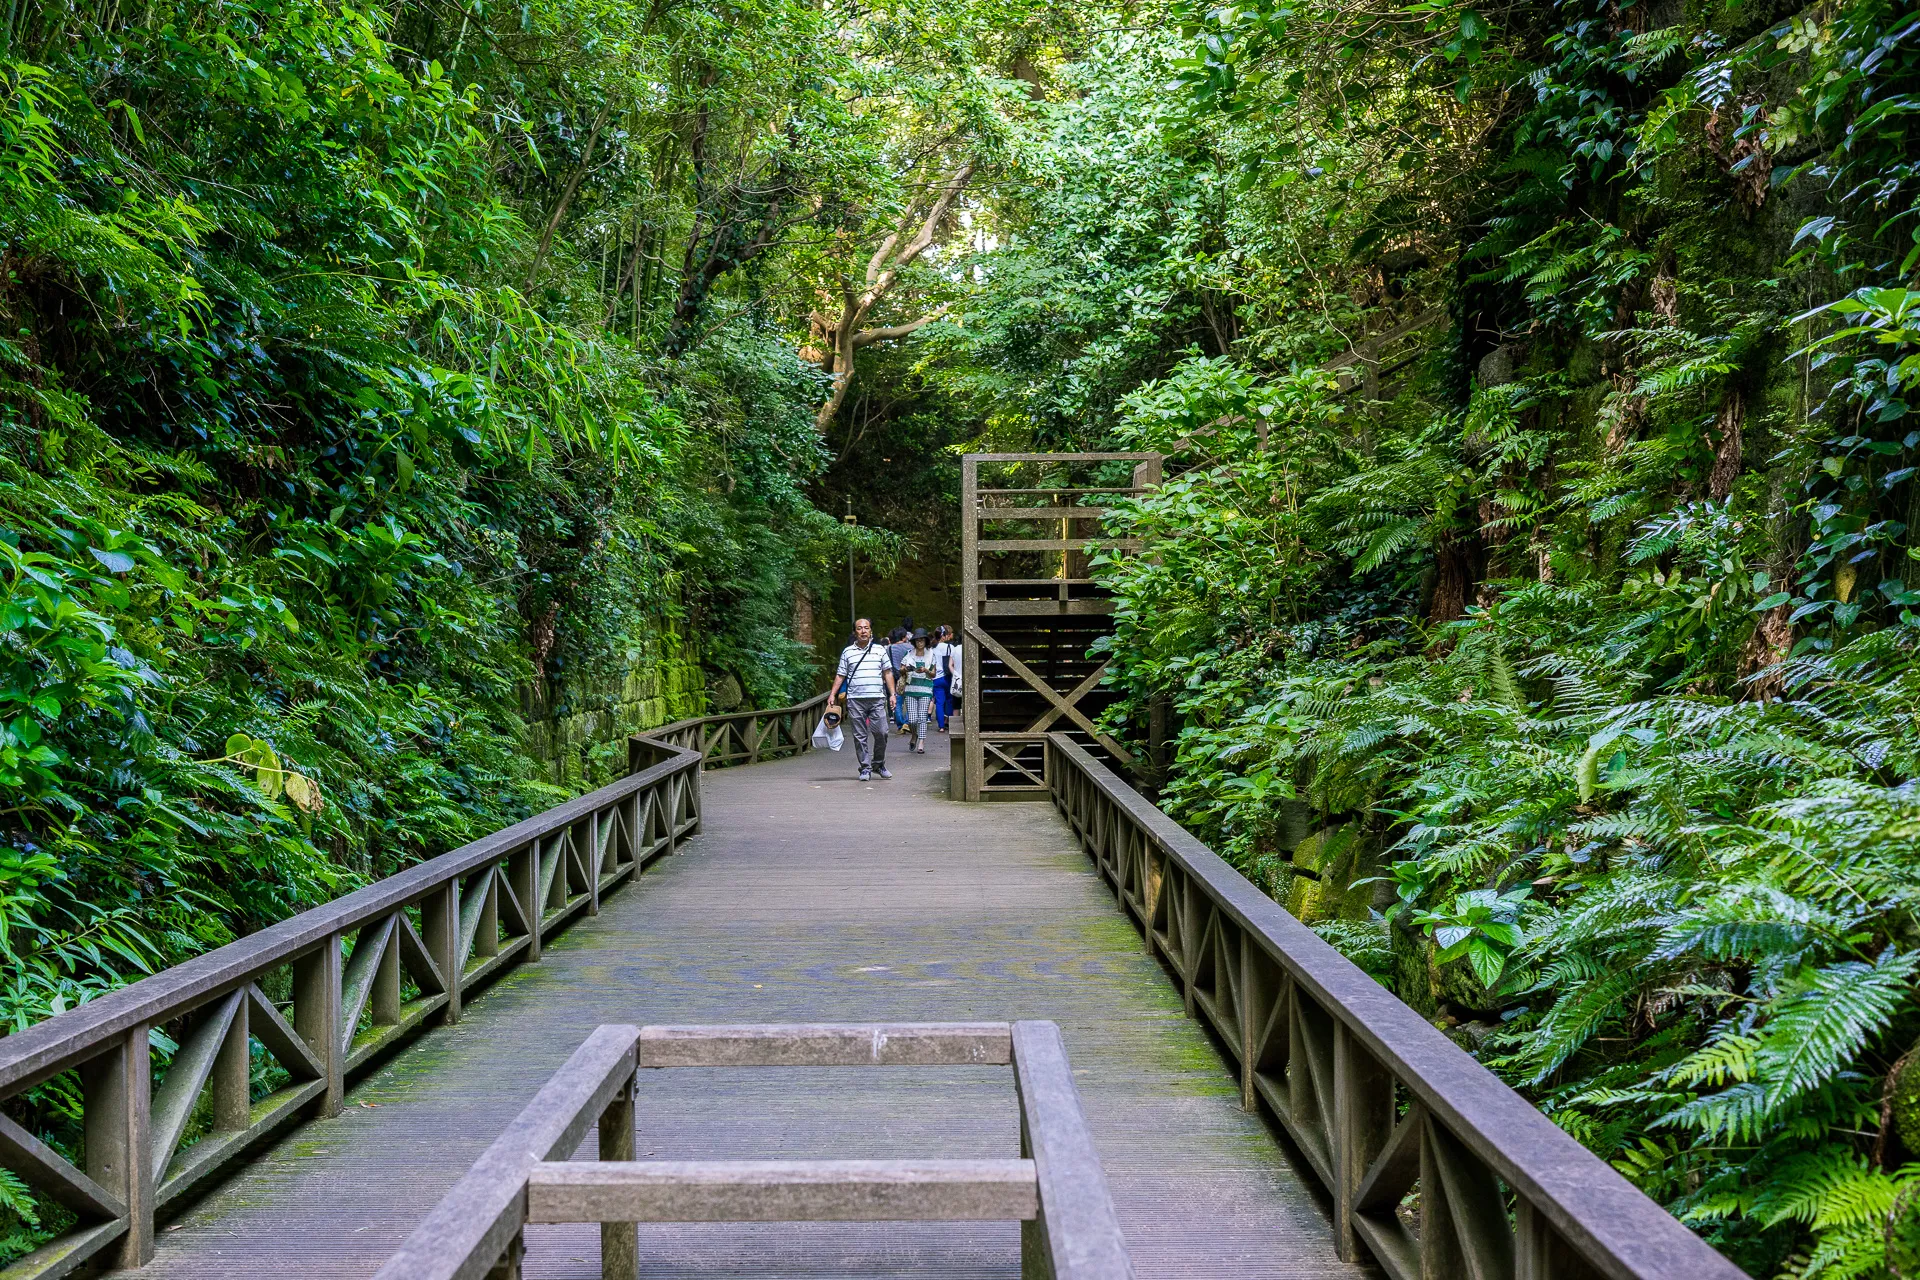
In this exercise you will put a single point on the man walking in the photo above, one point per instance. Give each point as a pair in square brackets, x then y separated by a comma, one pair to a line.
[866, 672]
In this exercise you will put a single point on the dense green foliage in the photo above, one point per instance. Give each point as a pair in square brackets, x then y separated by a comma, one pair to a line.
[1534, 591]
[338, 430]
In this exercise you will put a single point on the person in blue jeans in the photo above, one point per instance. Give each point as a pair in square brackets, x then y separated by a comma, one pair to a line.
[944, 654]
[899, 645]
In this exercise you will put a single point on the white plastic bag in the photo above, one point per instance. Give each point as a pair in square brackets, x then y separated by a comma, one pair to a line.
[827, 739]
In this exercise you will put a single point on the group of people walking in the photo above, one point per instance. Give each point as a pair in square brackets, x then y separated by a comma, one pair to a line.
[906, 684]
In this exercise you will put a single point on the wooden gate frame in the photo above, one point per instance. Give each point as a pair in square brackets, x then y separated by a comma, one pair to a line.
[972, 749]
[1056, 1189]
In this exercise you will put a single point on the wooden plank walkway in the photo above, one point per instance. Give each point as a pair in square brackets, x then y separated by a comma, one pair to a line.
[808, 897]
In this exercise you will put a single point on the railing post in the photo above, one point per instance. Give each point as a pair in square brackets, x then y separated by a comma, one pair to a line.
[1463, 1216]
[1362, 1123]
[693, 797]
[1193, 926]
[316, 1015]
[1532, 1245]
[1540, 1253]
[508, 1268]
[619, 1241]
[440, 918]
[1076, 1235]
[1256, 1003]
[636, 829]
[666, 803]
[118, 1088]
[386, 982]
[590, 861]
[233, 1076]
[486, 938]
[1153, 877]
[523, 872]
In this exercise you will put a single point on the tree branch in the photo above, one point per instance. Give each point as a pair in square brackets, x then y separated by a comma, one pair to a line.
[883, 270]
[880, 256]
[929, 227]
[866, 336]
[566, 198]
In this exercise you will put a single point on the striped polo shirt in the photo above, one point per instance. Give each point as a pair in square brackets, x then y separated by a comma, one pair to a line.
[865, 669]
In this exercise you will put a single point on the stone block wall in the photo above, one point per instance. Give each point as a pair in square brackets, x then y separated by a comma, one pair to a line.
[577, 729]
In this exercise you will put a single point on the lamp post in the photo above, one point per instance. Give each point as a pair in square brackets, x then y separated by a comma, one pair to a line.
[852, 617]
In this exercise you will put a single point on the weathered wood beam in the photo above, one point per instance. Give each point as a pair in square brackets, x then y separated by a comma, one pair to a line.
[1078, 692]
[994, 514]
[783, 1191]
[1046, 608]
[186, 1076]
[991, 546]
[363, 970]
[877, 1044]
[42, 1168]
[1041, 687]
[1076, 1234]
[472, 1226]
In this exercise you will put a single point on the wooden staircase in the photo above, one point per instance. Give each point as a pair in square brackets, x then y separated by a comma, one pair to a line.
[1030, 612]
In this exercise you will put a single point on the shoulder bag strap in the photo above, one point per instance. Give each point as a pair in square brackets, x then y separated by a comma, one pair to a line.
[858, 663]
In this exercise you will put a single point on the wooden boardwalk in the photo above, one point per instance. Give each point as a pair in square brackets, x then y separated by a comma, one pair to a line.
[807, 897]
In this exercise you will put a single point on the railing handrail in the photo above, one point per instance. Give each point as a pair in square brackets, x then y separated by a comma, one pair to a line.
[531, 1174]
[817, 700]
[482, 1214]
[485, 906]
[1602, 1215]
[45, 1045]
[53, 1040]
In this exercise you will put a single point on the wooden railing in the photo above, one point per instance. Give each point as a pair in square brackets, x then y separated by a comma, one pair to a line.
[1435, 1168]
[1055, 1188]
[745, 737]
[324, 994]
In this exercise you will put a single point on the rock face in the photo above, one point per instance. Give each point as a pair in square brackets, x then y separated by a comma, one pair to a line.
[1336, 872]
[1326, 865]
[578, 729]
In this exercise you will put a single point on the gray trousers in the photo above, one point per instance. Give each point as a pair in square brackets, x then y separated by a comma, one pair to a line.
[871, 724]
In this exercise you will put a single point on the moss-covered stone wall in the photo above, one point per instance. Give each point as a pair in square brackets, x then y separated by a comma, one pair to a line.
[578, 728]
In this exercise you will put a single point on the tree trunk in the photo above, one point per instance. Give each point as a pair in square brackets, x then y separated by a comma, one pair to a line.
[802, 614]
[1726, 448]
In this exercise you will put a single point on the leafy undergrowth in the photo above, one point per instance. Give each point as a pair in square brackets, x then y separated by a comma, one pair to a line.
[1534, 590]
[321, 465]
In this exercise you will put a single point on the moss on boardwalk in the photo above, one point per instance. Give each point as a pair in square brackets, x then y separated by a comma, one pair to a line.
[809, 896]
